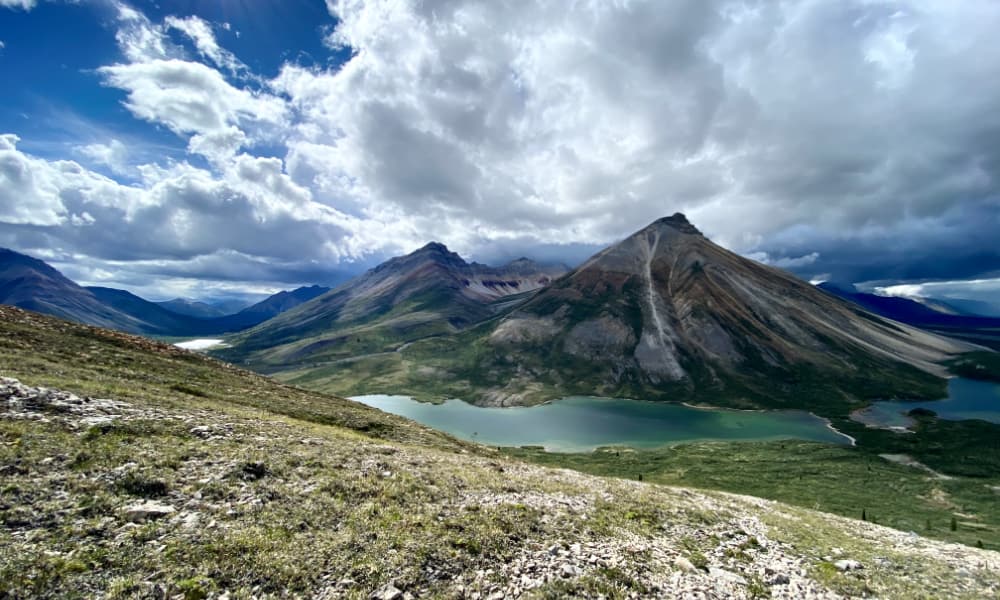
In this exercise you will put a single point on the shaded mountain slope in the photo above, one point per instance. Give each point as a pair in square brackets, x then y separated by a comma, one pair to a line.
[268, 308]
[430, 292]
[177, 476]
[159, 320]
[32, 284]
[150, 317]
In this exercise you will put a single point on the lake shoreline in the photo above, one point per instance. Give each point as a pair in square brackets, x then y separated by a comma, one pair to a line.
[968, 399]
[582, 424]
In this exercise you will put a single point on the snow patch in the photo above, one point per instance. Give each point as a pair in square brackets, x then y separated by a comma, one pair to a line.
[199, 344]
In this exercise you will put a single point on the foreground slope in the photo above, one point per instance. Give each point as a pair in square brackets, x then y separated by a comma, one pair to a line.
[430, 292]
[153, 483]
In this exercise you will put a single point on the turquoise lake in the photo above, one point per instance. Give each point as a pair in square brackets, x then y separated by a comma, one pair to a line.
[967, 399]
[580, 424]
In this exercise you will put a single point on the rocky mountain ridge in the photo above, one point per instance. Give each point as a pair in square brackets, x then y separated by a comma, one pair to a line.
[429, 292]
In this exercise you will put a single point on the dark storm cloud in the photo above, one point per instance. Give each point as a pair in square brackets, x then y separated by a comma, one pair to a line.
[852, 138]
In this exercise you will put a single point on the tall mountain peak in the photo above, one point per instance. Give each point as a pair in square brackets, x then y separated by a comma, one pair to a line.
[440, 253]
[434, 247]
[679, 222]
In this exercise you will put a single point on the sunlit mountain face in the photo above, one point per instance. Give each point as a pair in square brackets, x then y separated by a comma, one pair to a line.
[198, 150]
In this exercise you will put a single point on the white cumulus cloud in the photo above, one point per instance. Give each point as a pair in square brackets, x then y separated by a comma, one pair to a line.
[22, 4]
[852, 138]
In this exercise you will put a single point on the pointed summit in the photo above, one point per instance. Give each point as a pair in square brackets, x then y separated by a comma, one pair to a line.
[430, 292]
[438, 252]
[679, 222]
[434, 247]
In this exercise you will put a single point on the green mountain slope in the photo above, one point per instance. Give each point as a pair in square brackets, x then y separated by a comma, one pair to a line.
[431, 292]
[154, 472]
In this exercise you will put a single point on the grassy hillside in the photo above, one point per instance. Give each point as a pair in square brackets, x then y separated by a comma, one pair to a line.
[830, 478]
[177, 476]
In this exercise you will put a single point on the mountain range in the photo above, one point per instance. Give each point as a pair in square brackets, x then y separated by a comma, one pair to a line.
[203, 310]
[32, 284]
[431, 292]
[664, 314]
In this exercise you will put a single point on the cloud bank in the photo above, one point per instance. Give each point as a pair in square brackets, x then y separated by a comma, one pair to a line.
[855, 139]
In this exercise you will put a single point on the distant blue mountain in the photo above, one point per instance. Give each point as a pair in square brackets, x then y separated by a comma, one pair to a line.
[32, 284]
[975, 328]
[195, 308]
[970, 307]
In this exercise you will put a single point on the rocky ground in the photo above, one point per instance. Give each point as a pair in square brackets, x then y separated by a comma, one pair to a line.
[108, 498]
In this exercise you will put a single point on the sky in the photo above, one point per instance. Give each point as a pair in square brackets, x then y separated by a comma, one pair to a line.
[187, 148]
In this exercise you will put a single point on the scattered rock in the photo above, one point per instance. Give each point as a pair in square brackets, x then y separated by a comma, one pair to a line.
[724, 575]
[847, 565]
[252, 471]
[684, 564]
[202, 431]
[387, 592]
[148, 511]
[568, 570]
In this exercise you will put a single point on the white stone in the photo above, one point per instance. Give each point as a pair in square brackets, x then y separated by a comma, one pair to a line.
[847, 565]
[140, 513]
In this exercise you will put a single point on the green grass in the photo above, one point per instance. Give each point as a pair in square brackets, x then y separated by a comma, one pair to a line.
[828, 478]
[294, 493]
[977, 365]
[961, 448]
[107, 364]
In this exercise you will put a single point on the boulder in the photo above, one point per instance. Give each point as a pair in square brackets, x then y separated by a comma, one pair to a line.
[847, 565]
[148, 511]
[387, 592]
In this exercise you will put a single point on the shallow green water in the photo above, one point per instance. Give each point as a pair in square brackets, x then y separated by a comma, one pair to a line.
[967, 399]
[581, 424]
